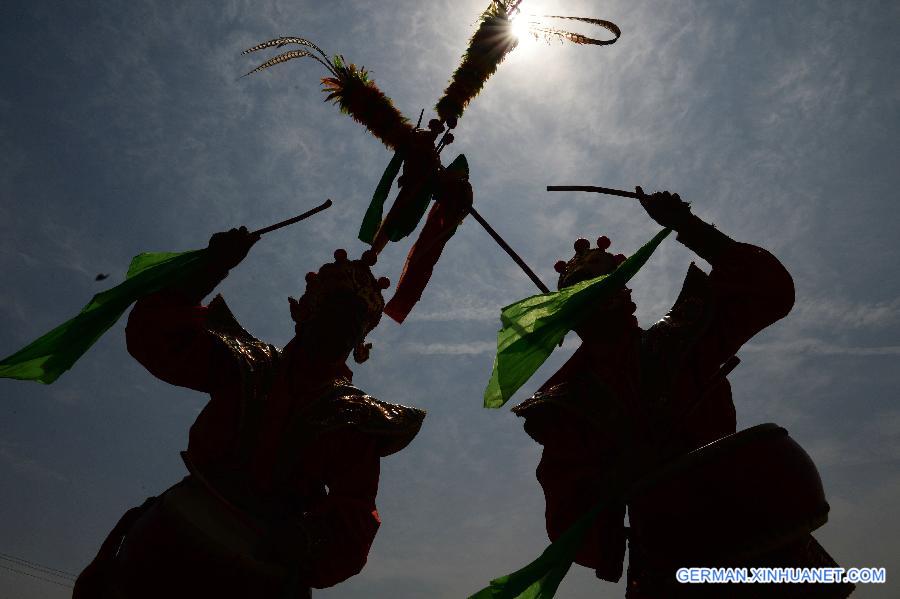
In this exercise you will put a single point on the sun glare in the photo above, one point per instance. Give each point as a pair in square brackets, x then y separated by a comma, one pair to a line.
[520, 30]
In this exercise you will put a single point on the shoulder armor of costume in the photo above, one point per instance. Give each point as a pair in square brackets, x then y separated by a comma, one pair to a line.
[666, 344]
[393, 426]
[256, 361]
[686, 321]
[252, 354]
[560, 395]
[581, 399]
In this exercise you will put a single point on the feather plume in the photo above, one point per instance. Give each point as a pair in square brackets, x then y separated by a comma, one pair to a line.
[490, 44]
[357, 95]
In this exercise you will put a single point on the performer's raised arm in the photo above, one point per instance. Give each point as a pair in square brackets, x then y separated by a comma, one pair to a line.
[169, 332]
[284, 459]
[619, 404]
[747, 290]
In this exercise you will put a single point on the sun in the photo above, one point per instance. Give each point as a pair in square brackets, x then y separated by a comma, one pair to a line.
[520, 30]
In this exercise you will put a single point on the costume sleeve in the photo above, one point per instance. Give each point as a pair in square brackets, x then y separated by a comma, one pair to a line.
[750, 289]
[572, 465]
[343, 524]
[168, 334]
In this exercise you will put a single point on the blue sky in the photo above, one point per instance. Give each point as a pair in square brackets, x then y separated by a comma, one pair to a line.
[124, 128]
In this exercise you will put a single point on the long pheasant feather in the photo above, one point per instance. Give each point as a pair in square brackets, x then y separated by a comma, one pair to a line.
[577, 38]
[278, 42]
[282, 41]
[284, 58]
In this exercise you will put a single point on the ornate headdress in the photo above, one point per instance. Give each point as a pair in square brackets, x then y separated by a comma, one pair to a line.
[587, 262]
[341, 278]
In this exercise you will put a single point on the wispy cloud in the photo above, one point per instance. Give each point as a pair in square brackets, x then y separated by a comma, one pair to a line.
[819, 347]
[453, 349]
[840, 312]
[777, 120]
[28, 467]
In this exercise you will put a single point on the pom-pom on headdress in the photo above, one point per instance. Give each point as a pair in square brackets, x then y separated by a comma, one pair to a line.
[338, 278]
[587, 263]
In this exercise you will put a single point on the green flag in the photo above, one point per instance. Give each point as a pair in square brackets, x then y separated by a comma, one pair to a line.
[405, 222]
[403, 218]
[47, 358]
[534, 326]
[372, 218]
[541, 578]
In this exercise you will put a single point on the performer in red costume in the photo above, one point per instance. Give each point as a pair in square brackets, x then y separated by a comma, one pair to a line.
[630, 400]
[283, 460]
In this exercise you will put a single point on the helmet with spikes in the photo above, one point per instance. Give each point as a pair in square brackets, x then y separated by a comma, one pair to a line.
[588, 262]
[343, 277]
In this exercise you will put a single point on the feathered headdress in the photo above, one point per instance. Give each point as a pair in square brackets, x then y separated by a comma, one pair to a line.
[416, 151]
[490, 44]
[351, 89]
[493, 41]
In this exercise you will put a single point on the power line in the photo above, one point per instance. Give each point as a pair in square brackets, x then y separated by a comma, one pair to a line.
[56, 582]
[36, 566]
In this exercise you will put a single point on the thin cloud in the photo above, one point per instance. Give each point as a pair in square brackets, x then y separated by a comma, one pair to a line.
[29, 467]
[451, 349]
[840, 312]
[778, 124]
[819, 347]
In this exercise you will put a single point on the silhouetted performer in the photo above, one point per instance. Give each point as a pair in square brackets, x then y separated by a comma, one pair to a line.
[630, 401]
[283, 460]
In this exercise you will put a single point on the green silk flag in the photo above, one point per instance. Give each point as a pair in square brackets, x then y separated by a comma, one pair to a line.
[534, 326]
[461, 164]
[540, 579]
[372, 218]
[45, 359]
[407, 221]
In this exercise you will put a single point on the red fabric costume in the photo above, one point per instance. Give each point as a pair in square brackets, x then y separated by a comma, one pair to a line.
[284, 464]
[629, 400]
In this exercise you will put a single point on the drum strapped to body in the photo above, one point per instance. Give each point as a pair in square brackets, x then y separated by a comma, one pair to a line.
[212, 524]
[732, 499]
[190, 542]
